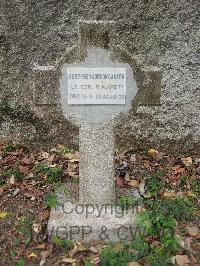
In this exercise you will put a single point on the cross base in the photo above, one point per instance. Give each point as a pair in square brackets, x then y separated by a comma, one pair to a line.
[75, 221]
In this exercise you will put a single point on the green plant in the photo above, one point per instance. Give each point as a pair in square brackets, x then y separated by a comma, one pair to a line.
[24, 228]
[154, 183]
[87, 261]
[8, 148]
[111, 257]
[157, 227]
[20, 262]
[62, 243]
[180, 208]
[11, 172]
[195, 186]
[53, 174]
[183, 180]
[127, 202]
[50, 200]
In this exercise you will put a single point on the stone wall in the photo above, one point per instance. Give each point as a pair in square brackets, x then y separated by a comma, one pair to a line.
[159, 33]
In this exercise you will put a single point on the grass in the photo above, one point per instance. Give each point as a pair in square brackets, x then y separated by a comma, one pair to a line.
[195, 187]
[154, 183]
[157, 242]
[62, 243]
[50, 200]
[53, 174]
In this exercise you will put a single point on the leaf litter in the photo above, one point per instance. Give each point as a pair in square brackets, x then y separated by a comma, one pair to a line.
[22, 170]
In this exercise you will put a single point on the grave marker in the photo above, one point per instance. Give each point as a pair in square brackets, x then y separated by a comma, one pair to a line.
[96, 86]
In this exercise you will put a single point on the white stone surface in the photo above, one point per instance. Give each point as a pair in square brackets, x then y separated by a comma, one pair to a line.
[96, 85]
[88, 222]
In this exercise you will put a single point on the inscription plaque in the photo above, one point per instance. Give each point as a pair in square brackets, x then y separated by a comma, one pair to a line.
[96, 85]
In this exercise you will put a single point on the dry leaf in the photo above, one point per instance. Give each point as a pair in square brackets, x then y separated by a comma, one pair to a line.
[73, 251]
[177, 169]
[32, 255]
[23, 170]
[134, 263]
[187, 161]
[142, 187]
[29, 195]
[42, 216]
[28, 160]
[36, 228]
[152, 153]
[3, 215]
[169, 194]
[133, 183]
[133, 158]
[68, 260]
[192, 230]
[127, 177]
[190, 194]
[1, 190]
[44, 254]
[182, 260]
[93, 249]
[41, 246]
[12, 180]
[119, 182]
[95, 261]
[45, 155]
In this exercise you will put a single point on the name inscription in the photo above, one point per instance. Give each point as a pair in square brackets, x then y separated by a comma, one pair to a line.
[96, 85]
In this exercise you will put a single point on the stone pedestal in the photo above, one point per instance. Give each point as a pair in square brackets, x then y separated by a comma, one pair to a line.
[92, 222]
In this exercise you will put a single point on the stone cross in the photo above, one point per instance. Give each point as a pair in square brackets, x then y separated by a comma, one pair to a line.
[97, 89]
[97, 82]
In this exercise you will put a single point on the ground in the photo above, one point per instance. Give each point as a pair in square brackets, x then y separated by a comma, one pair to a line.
[168, 189]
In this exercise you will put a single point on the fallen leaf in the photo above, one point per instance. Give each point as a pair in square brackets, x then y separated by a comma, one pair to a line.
[119, 182]
[133, 158]
[182, 260]
[3, 215]
[93, 249]
[36, 228]
[45, 155]
[142, 187]
[30, 175]
[190, 194]
[42, 216]
[1, 190]
[23, 169]
[41, 246]
[44, 254]
[133, 183]
[169, 194]
[12, 180]
[177, 169]
[73, 251]
[32, 255]
[28, 195]
[134, 263]
[16, 192]
[42, 262]
[127, 177]
[155, 244]
[187, 161]
[68, 260]
[156, 155]
[192, 230]
[28, 160]
[95, 261]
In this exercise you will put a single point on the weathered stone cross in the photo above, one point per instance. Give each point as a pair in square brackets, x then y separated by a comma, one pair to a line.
[96, 86]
